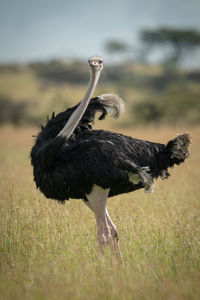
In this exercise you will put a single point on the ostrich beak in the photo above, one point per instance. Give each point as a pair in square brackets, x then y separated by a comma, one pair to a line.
[96, 62]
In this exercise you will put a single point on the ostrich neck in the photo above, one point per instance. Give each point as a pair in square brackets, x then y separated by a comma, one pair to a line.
[78, 113]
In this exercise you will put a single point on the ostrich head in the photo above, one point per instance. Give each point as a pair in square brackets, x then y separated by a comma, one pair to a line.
[96, 63]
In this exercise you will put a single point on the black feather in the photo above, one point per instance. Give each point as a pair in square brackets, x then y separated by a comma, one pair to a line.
[64, 170]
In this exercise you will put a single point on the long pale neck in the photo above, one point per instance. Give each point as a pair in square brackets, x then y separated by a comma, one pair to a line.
[78, 113]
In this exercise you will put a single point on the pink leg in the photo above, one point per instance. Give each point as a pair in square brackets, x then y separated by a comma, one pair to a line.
[114, 234]
[97, 203]
[106, 230]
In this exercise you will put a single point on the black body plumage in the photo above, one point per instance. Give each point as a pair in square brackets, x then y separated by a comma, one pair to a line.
[69, 169]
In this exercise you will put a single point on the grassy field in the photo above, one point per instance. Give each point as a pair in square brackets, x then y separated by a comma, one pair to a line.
[49, 250]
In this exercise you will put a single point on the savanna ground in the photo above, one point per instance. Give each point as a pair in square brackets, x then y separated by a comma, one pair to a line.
[49, 251]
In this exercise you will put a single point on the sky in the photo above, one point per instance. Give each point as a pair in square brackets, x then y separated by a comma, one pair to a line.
[32, 30]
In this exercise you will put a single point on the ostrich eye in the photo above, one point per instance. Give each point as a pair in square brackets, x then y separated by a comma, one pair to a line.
[101, 61]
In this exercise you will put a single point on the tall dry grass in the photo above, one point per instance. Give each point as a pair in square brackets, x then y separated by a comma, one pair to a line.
[49, 251]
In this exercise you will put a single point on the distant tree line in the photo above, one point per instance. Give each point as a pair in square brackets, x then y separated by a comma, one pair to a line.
[179, 42]
[172, 96]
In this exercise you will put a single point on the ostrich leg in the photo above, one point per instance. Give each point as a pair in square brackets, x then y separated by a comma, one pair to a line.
[106, 230]
[114, 234]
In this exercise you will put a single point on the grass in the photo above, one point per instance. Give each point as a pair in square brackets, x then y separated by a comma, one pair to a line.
[49, 250]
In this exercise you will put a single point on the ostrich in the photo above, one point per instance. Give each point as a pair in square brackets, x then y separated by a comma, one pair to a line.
[72, 160]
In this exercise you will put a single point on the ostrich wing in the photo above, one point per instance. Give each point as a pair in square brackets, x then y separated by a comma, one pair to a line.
[107, 159]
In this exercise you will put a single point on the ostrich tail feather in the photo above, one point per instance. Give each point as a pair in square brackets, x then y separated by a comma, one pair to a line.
[179, 148]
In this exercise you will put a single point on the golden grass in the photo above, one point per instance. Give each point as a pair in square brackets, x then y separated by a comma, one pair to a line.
[49, 251]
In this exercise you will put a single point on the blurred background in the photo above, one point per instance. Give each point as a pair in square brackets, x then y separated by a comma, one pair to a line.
[151, 53]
